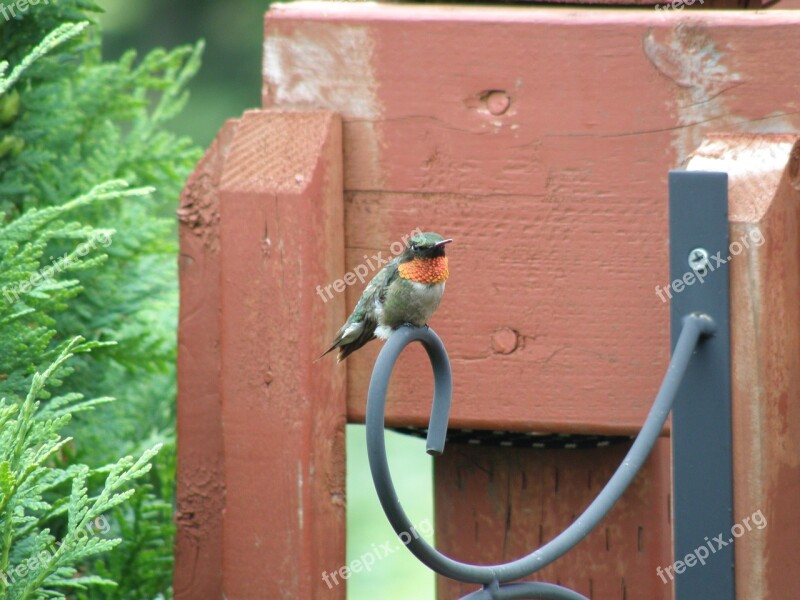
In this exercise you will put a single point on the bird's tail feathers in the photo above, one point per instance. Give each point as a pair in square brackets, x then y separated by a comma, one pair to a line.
[366, 335]
[333, 346]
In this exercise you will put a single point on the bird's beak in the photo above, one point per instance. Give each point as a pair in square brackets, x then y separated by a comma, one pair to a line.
[442, 243]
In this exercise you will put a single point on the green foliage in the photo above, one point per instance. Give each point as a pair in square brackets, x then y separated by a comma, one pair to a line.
[228, 83]
[33, 291]
[33, 564]
[70, 122]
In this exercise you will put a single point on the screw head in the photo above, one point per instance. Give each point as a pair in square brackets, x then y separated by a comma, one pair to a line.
[698, 259]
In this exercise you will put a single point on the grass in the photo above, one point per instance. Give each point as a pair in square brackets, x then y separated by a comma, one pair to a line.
[398, 575]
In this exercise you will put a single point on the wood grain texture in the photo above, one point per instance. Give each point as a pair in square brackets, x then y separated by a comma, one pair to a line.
[200, 469]
[283, 415]
[557, 204]
[665, 5]
[764, 190]
[499, 504]
[540, 140]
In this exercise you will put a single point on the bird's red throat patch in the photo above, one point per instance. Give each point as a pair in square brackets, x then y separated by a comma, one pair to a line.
[425, 270]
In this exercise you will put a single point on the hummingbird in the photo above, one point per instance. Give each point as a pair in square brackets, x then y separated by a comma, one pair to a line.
[407, 290]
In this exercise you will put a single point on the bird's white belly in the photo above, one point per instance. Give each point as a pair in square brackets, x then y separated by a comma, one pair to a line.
[383, 332]
[418, 307]
[429, 292]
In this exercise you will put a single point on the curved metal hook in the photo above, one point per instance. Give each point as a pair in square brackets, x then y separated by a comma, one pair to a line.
[695, 326]
[540, 591]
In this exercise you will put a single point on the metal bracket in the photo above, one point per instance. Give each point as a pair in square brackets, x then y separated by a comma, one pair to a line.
[701, 417]
[497, 579]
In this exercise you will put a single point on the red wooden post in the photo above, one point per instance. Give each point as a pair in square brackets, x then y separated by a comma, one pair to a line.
[201, 472]
[282, 415]
[764, 176]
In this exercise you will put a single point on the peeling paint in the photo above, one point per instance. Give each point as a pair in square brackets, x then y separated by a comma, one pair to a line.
[300, 494]
[755, 164]
[703, 74]
[321, 67]
[690, 58]
[318, 67]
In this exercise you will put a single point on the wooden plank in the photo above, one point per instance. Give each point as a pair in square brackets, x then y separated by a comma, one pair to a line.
[540, 140]
[283, 415]
[200, 471]
[664, 5]
[765, 321]
[498, 504]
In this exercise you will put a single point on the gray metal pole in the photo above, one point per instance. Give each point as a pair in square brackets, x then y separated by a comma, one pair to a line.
[702, 437]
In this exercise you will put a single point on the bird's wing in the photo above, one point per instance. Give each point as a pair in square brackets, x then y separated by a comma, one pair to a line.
[360, 325]
[375, 292]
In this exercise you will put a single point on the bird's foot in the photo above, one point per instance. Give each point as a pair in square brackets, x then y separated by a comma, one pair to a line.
[412, 326]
